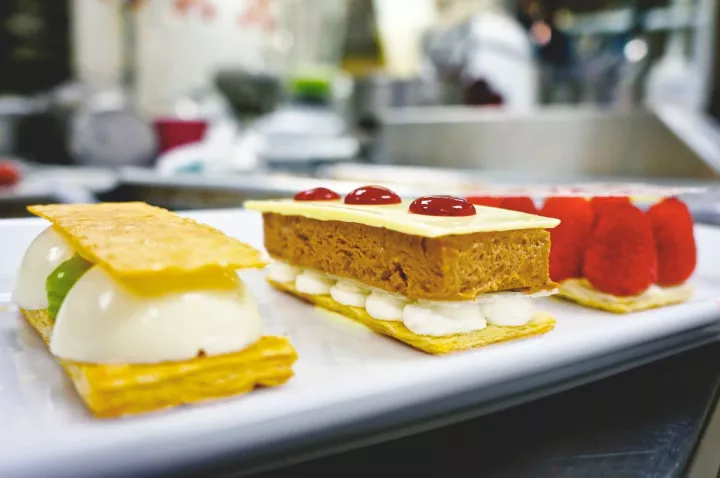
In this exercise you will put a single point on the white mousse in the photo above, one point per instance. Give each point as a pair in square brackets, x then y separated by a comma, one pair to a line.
[101, 321]
[43, 256]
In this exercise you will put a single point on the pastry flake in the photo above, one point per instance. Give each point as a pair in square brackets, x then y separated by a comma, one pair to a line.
[162, 242]
[583, 293]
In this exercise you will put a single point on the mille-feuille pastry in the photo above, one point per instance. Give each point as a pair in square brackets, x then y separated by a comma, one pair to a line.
[144, 310]
[436, 273]
[607, 254]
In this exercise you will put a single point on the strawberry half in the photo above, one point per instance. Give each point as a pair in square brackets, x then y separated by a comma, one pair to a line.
[673, 230]
[519, 204]
[569, 238]
[620, 258]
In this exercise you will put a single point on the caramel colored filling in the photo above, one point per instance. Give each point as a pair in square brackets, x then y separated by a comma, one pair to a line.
[444, 268]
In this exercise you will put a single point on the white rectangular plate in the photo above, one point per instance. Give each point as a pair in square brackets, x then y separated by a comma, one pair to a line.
[45, 431]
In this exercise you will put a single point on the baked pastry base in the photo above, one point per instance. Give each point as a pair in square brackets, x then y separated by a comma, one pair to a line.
[541, 323]
[581, 292]
[116, 390]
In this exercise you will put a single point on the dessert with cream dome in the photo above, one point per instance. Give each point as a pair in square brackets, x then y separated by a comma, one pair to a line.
[437, 272]
[144, 309]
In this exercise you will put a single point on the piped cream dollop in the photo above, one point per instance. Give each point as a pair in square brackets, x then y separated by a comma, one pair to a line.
[348, 293]
[440, 320]
[508, 310]
[101, 321]
[383, 306]
[282, 272]
[313, 283]
[431, 318]
[47, 251]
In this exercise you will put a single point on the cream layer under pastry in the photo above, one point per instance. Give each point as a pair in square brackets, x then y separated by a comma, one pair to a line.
[144, 309]
[436, 273]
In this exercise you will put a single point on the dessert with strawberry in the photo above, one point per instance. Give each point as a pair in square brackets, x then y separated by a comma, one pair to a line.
[610, 255]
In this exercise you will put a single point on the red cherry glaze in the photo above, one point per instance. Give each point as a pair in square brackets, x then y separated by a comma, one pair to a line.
[317, 194]
[372, 195]
[442, 206]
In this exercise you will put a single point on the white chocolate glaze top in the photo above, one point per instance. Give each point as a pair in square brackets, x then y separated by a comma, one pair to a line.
[397, 218]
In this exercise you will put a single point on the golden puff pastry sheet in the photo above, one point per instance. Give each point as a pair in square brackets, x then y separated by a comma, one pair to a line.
[541, 323]
[135, 239]
[581, 292]
[116, 390]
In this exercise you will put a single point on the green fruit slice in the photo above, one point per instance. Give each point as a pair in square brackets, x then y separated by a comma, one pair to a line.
[61, 280]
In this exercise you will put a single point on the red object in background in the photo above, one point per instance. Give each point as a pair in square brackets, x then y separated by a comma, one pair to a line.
[174, 132]
[489, 201]
[481, 93]
[620, 258]
[9, 174]
[674, 240]
[256, 13]
[519, 204]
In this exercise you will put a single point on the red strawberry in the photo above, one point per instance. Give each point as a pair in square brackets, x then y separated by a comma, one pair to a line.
[520, 204]
[485, 200]
[601, 203]
[674, 240]
[620, 258]
[568, 239]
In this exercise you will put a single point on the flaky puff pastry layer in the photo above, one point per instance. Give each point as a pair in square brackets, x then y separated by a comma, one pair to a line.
[581, 292]
[116, 390]
[541, 323]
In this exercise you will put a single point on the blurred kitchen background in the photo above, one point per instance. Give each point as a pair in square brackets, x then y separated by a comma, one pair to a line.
[205, 103]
